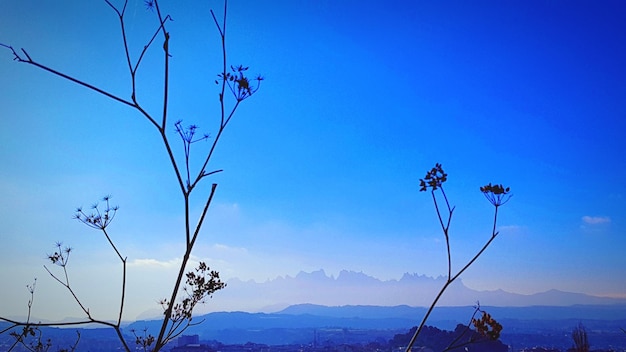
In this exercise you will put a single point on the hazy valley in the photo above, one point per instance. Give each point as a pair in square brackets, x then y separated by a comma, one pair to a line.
[350, 309]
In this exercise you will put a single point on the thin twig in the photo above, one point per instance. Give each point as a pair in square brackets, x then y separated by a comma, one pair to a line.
[451, 278]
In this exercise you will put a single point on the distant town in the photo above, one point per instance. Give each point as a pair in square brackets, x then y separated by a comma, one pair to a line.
[311, 328]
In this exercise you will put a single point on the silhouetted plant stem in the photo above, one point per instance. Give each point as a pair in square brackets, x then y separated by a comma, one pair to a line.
[453, 344]
[203, 281]
[30, 61]
[26, 327]
[222, 31]
[579, 335]
[480, 252]
[123, 293]
[163, 338]
[445, 227]
[434, 180]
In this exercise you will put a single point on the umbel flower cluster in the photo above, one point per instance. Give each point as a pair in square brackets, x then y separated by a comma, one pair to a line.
[239, 84]
[496, 194]
[433, 179]
[97, 219]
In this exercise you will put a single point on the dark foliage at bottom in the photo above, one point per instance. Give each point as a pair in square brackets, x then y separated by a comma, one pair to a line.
[440, 340]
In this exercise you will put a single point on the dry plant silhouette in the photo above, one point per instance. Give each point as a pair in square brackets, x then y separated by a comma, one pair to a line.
[191, 287]
[497, 195]
[579, 335]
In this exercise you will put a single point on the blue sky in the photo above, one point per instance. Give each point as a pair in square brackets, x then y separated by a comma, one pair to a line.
[322, 166]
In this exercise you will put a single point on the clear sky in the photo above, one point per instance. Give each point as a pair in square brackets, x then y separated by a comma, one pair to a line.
[322, 165]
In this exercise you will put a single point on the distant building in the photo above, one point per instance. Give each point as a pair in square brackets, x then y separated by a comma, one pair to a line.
[190, 343]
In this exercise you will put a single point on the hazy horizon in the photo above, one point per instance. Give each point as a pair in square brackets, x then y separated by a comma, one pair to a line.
[345, 289]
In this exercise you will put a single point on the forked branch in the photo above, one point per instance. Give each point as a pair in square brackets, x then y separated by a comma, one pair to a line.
[497, 196]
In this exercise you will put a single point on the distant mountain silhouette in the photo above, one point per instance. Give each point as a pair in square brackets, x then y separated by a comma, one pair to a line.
[298, 323]
[459, 314]
[357, 288]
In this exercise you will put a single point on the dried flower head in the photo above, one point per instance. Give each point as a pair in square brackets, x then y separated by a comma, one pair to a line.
[496, 194]
[188, 133]
[61, 256]
[433, 179]
[143, 341]
[240, 85]
[149, 4]
[97, 219]
[487, 326]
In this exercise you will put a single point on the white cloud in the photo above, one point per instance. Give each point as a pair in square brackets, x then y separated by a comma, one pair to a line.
[596, 220]
[154, 263]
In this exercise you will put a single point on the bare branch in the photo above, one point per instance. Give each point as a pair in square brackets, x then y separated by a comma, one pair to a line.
[177, 316]
[434, 180]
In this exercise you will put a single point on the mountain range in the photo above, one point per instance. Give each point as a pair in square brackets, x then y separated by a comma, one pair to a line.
[357, 288]
[356, 308]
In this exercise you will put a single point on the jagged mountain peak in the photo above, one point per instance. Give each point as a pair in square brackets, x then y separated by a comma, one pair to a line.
[354, 276]
[313, 275]
[420, 277]
[359, 289]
